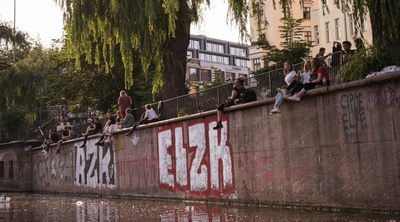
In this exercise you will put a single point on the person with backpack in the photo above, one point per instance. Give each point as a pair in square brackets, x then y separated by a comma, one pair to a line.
[236, 95]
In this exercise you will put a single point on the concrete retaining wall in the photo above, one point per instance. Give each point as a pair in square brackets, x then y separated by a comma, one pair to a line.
[338, 147]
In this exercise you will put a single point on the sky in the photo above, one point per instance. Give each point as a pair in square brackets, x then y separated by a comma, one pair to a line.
[42, 19]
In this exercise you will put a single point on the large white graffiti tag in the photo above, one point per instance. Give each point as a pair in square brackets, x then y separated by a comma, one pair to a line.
[203, 166]
[95, 166]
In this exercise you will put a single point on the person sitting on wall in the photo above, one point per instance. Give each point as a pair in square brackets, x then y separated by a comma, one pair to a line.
[150, 116]
[236, 95]
[290, 77]
[321, 74]
[69, 135]
[94, 128]
[64, 137]
[129, 120]
[110, 124]
[51, 138]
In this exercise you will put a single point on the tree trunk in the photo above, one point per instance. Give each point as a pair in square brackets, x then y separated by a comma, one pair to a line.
[174, 70]
[380, 33]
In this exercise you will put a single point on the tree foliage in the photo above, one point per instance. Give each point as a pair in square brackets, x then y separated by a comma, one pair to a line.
[294, 48]
[157, 31]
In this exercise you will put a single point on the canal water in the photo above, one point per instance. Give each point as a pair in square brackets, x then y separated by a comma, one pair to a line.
[45, 207]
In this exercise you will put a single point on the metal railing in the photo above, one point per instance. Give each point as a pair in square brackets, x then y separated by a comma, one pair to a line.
[263, 84]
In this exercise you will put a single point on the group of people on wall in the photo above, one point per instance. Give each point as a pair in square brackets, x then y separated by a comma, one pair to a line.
[123, 119]
[313, 75]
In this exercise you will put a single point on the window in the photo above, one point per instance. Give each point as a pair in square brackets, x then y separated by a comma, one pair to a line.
[352, 25]
[307, 37]
[316, 34]
[215, 47]
[257, 64]
[206, 75]
[241, 62]
[11, 169]
[230, 75]
[237, 51]
[194, 74]
[364, 24]
[189, 54]
[261, 17]
[214, 58]
[194, 44]
[328, 32]
[337, 28]
[307, 13]
[1, 169]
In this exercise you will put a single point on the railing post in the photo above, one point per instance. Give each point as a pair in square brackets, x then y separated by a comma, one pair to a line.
[270, 84]
[218, 97]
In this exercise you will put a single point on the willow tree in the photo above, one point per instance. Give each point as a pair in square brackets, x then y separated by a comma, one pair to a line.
[384, 16]
[157, 31]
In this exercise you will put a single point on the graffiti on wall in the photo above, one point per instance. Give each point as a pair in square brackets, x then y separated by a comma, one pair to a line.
[95, 166]
[55, 167]
[384, 94]
[353, 114]
[203, 165]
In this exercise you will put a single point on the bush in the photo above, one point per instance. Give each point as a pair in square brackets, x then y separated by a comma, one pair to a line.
[365, 62]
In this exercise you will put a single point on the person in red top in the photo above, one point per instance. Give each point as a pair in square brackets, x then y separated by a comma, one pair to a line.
[321, 78]
[124, 101]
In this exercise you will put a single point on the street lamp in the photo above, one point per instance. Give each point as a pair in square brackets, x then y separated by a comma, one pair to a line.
[15, 33]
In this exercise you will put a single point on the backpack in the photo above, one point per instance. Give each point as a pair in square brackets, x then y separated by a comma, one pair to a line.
[249, 95]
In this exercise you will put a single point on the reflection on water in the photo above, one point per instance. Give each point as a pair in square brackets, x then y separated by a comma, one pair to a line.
[44, 207]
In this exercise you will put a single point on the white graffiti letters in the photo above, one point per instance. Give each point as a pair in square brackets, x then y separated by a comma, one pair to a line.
[95, 166]
[203, 166]
[220, 152]
[198, 171]
[165, 158]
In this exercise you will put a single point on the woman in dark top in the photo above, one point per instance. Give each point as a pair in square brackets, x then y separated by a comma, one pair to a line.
[94, 128]
[320, 74]
[237, 93]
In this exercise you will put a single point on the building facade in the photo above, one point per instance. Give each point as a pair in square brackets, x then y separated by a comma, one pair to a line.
[205, 53]
[320, 27]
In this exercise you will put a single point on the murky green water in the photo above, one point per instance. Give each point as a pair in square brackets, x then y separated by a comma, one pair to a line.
[44, 207]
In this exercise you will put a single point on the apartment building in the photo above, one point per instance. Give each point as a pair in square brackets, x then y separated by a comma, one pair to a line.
[320, 27]
[205, 53]
[336, 26]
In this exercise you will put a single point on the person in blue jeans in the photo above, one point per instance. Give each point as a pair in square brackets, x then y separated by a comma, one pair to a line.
[290, 76]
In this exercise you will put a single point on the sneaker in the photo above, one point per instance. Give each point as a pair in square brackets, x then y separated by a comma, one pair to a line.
[294, 98]
[218, 126]
[282, 91]
[275, 110]
[285, 97]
